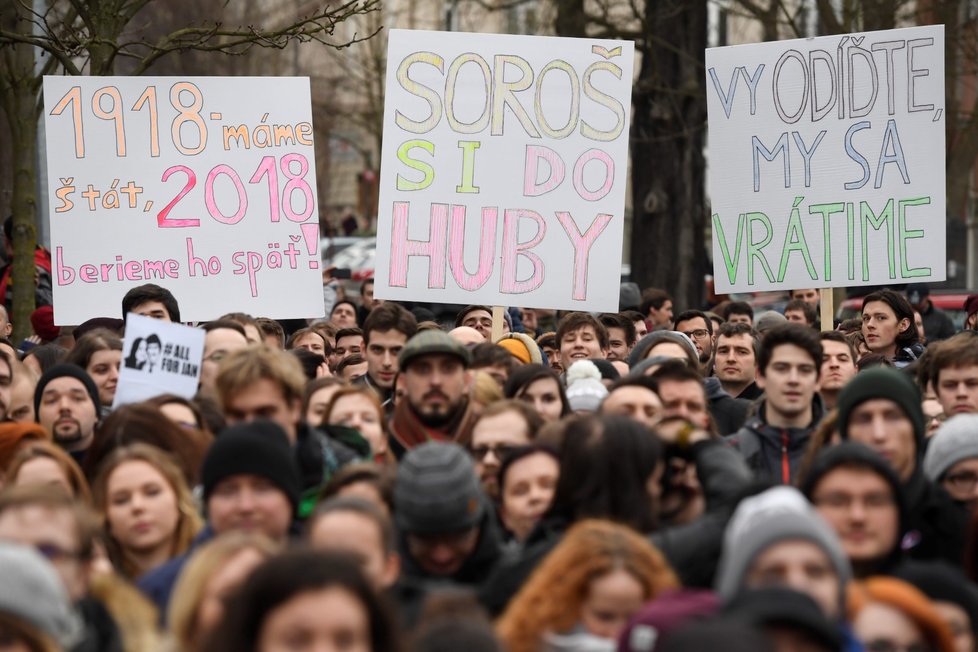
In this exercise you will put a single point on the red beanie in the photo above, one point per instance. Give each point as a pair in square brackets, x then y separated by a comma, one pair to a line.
[42, 321]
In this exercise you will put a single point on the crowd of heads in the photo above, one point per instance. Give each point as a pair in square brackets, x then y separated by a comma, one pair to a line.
[666, 477]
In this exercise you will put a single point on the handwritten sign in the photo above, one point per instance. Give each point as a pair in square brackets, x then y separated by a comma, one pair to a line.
[158, 357]
[827, 161]
[206, 186]
[503, 171]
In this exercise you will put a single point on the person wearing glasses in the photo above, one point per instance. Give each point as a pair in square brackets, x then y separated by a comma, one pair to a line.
[502, 427]
[881, 408]
[695, 325]
[952, 459]
[222, 337]
[63, 531]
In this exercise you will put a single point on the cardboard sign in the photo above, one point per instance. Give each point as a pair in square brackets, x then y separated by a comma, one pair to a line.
[827, 161]
[205, 186]
[504, 169]
[158, 357]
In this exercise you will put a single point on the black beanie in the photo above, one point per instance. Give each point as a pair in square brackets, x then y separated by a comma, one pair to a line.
[59, 371]
[256, 448]
[888, 384]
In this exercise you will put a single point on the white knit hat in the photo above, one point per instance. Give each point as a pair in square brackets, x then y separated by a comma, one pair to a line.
[585, 391]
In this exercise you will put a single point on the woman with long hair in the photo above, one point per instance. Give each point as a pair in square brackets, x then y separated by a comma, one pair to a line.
[587, 588]
[99, 352]
[540, 387]
[306, 595]
[146, 507]
[212, 575]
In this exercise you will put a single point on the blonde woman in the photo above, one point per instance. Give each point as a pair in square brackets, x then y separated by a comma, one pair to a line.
[147, 510]
[211, 575]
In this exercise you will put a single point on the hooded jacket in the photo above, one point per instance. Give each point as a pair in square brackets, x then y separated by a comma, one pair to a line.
[415, 583]
[774, 454]
[936, 524]
[858, 456]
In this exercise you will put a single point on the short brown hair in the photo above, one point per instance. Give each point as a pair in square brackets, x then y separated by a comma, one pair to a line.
[838, 336]
[244, 367]
[389, 316]
[271, 328]
[576, 320]
[960, 350]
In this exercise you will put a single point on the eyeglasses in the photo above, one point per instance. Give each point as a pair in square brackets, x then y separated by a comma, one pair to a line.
[886, 645]
[846, 501]
[499, 450]
[963, 481]
[698, 334]
[939, 418]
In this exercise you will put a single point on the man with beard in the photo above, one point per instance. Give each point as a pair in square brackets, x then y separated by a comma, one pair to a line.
[66, 404]
[435, 379]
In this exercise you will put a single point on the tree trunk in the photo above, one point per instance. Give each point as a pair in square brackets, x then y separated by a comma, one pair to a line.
[22, 118]
[668, 167]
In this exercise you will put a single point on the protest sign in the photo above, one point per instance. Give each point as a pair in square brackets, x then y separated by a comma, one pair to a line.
[826, 161]
[504, 168]
[206, 186]
[158, 357]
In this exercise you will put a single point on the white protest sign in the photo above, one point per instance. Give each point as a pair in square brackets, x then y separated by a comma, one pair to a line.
[158, 357]
[204, 185]
[504, 168]
[827, 161]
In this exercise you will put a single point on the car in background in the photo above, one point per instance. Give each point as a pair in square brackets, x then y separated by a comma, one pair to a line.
[357, 256]
[329, 248]
[950, 301]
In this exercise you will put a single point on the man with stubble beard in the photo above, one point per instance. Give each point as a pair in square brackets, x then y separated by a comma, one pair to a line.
[66, 404]
[436, 381]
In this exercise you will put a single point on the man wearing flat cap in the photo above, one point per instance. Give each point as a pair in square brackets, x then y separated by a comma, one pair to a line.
[436, 382]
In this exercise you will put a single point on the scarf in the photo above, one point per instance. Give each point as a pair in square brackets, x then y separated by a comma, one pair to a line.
[408, 430]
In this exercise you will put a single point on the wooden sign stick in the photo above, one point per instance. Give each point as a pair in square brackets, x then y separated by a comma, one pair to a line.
[827, 309]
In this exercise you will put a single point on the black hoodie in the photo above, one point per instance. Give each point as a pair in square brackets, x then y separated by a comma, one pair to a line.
[855, 455]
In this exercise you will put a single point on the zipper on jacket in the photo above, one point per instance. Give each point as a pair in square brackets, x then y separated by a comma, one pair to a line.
[785, 466]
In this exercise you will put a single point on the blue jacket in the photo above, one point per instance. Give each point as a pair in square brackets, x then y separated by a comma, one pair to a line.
[157, 584]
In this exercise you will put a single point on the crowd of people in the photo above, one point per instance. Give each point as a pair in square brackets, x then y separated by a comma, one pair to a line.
[651, 479]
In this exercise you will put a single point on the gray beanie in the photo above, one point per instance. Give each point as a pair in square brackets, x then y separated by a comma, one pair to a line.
[768, 320]
[776, 515]
[954, 441]
[437, 490]
[655, 337]
[33, 592]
